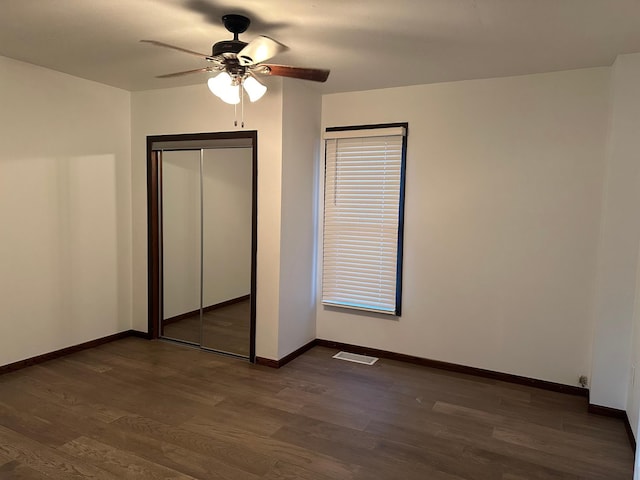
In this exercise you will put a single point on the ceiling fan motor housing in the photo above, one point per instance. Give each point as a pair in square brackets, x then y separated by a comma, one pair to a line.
[227, 46]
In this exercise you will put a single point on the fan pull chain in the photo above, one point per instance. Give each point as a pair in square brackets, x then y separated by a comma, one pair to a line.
[242, 104]
[235, 115]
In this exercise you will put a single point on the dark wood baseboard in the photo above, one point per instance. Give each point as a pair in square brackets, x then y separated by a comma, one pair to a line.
[616, 413]
[454, 367]
[45, 357]
[607, 411]
[226, 303]
[139, 334]
[268, 362]
[630, 435]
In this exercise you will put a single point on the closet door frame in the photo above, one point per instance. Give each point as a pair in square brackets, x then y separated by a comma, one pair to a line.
[154, 216]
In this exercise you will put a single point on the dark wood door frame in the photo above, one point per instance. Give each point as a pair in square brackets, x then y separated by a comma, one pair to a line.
[154, 223]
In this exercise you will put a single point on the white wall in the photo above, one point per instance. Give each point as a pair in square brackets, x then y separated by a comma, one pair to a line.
[503, 194]
[65, 203]
[227, 178]
[194, 109]
[300, 160]
[617, 297]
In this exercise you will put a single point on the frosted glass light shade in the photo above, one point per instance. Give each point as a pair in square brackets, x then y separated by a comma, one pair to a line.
[254, 88]
[222, 87]
[217, 84]
[231, 95]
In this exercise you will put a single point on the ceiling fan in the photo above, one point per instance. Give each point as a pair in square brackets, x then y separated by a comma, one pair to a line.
[238, 63]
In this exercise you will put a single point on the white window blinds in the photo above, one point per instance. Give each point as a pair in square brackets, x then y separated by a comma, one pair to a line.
[363, 219]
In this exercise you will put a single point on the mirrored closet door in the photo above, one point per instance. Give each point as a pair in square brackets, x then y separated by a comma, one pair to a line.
[206, 224]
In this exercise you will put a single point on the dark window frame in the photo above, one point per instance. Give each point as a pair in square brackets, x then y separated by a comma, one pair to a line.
[403, 169]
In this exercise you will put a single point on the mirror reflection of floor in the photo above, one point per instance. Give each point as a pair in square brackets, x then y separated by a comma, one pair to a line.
[226, 328]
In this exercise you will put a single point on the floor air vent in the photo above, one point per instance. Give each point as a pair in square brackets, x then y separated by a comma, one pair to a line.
[354, 357]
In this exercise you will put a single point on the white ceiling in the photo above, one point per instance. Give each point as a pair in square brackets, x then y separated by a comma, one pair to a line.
[366, 43]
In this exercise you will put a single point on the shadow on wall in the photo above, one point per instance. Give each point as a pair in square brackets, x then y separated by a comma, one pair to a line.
[60, 243]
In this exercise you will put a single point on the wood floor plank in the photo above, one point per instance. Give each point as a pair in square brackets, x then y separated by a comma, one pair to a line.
[284, 471]
[606, 429]
[46, 460]
[249, 416]
[601, 446]
[286, 452]
[509, 466]
[186, 460]
[326, 408]
[231, 451]
[120, 463]
[50, 401]
[598, 464]
[443, 454]
[32, 426]
[152, 409]
[15, 470]
[335, 433]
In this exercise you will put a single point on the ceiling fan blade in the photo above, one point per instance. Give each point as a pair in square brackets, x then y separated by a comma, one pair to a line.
[260, 49]
[313, 74]
[180, 49]
[187, 72]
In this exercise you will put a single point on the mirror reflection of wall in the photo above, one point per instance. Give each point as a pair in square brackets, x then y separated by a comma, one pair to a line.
[181, 244]
[225, 219]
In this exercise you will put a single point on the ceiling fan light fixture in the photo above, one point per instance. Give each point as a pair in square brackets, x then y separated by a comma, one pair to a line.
[237, 63]
[222, 86]
[254, 88]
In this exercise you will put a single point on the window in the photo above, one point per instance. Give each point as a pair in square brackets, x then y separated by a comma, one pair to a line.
[363, 217]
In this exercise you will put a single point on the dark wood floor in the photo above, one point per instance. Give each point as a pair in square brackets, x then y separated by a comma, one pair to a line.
[150, 409]
[225, 329]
